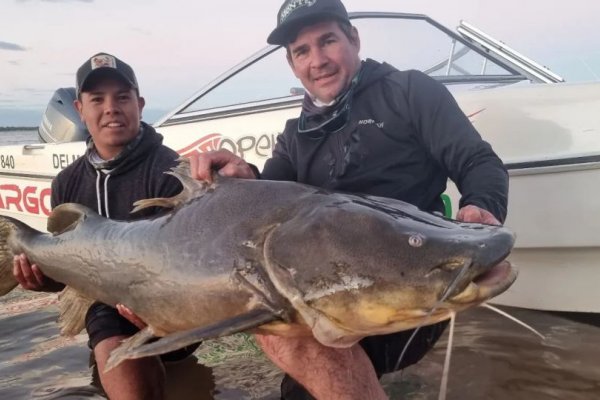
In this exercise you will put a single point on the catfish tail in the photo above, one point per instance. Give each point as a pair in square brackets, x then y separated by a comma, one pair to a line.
[7, 280]
[13, 234]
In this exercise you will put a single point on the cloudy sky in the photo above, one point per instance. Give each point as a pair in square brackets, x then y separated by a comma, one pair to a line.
[176, 46]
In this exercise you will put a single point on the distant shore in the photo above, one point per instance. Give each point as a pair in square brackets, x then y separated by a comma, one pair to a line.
[17, 128]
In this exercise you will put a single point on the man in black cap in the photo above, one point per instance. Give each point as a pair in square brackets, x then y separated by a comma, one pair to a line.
[365, 127]
[124, 162]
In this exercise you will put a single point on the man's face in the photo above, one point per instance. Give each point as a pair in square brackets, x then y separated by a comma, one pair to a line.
[111, 110]
[324, 59]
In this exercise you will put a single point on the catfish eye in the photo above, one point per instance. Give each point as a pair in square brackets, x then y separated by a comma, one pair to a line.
[416, 240]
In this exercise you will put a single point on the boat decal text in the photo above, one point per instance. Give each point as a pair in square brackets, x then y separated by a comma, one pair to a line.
[7, 162]
[30, 199]
[62, 161]
[260, 146]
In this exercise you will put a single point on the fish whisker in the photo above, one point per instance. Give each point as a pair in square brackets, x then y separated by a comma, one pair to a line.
[444, 297]
[512, 318]
[453, 284]
[446, 372]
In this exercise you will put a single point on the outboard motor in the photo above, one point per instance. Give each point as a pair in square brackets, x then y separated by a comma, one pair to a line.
[61, 122]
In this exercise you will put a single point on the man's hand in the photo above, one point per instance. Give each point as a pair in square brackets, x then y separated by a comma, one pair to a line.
[326, 372]
[471, 213]
[223, 161]
[131, 316]
[29, 276]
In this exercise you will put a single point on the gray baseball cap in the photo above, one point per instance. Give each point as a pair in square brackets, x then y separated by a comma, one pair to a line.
[103, 63]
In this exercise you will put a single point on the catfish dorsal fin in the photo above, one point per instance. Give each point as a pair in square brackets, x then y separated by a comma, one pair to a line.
[65, 217]
[73, 307]
[182, 172]
[191, 188]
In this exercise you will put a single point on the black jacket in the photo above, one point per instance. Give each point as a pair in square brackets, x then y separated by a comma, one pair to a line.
[139, 174]
[405, 137]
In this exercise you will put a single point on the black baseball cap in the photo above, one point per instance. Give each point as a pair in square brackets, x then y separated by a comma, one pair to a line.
[103, 64]
[296, 14]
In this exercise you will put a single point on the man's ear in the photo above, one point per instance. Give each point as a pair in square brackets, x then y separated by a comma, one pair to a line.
[288, 57]
[355, 38]
[79, 107]
[141, 103]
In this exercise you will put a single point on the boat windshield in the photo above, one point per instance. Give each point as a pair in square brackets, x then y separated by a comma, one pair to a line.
[405, 41]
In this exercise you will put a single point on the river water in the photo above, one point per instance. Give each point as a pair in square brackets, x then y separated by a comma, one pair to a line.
[18, 137]
[492, 358]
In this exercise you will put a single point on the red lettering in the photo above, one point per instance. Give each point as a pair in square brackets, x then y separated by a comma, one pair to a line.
[14, 199]
[43, 197]
[30, 202]
[27, 199]
[204, 144]
[261, 146]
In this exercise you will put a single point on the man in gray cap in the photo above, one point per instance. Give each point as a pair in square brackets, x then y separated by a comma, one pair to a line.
[124, 162]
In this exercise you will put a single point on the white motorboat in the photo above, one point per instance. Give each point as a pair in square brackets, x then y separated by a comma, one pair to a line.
[545, 130]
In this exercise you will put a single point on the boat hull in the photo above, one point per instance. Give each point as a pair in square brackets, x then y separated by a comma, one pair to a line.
[555, 213]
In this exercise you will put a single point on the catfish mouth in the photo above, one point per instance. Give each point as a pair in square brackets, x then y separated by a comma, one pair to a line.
[487, 285]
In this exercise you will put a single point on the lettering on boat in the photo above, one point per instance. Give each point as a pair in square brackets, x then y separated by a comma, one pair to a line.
[7, 162]
[62, 161]
[27, 199]
[258, 145]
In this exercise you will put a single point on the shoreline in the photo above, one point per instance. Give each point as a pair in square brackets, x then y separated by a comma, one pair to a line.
[17, 128]
[20, 301]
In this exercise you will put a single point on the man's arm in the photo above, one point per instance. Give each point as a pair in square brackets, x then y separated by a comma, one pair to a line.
[326, 372]
[456, 145]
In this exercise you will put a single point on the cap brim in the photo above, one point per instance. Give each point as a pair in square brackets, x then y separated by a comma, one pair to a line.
[104, 72]
[283, 34]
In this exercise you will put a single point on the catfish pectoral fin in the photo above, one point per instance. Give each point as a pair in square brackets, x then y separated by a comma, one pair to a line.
[121, 353]
[73, 306]
[134, 347]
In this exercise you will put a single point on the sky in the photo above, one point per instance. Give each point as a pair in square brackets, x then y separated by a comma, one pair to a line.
[177, 46]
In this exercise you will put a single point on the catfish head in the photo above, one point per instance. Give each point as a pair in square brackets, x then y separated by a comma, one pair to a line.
[355, 266]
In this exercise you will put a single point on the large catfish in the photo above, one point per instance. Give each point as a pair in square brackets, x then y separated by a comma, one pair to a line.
[268, 256]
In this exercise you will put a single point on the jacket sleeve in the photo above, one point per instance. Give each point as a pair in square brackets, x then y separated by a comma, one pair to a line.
[280, 166]
[457, 147]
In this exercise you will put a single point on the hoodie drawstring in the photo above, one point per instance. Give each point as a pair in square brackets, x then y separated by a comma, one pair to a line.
[99, 197]
[106, 195]
[98, 192]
